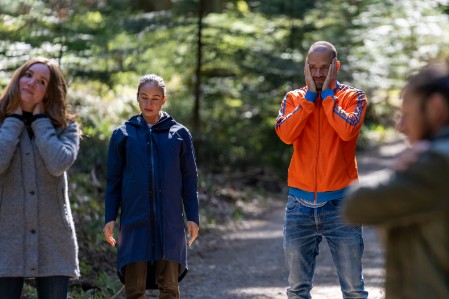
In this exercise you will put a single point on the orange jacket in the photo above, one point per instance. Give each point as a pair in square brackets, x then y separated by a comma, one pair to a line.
[324, 134]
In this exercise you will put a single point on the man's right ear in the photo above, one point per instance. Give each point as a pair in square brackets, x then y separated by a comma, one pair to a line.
[438, 109]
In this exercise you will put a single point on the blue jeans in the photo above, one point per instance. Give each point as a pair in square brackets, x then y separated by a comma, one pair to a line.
[303, 231]
[50, 287]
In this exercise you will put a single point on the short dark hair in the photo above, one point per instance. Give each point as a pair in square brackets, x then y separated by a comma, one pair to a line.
[433, 78]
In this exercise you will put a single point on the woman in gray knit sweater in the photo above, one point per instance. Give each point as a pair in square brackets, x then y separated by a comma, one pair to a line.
[39, 141]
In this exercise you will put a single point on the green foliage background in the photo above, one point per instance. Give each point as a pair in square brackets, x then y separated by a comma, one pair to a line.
[253, 53]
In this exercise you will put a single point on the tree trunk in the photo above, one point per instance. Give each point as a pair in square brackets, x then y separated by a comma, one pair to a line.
[199, 54]
[152, 5]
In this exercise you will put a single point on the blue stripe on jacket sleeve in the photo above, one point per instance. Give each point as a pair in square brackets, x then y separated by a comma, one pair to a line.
[355, 118]
[281, 116]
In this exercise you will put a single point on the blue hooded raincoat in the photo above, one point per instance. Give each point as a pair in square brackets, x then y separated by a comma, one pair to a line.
[152, 179]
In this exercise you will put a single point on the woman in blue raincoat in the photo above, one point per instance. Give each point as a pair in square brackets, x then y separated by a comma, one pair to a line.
[152, 179]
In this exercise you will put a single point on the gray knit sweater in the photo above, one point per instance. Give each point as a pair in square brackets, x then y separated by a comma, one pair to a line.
[37, 234]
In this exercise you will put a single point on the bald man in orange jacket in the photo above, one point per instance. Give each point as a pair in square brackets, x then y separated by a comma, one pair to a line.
[322, 120]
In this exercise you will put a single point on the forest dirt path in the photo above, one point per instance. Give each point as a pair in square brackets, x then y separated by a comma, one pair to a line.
[248, 262]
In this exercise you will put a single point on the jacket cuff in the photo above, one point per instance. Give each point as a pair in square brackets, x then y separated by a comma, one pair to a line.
[327, 93]
[17, 116]
[196, 220]
[109, 218]
[311, 96]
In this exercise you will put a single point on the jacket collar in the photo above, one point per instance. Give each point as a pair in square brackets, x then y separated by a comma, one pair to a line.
[443, 133]
[337, 86]
[165, 122]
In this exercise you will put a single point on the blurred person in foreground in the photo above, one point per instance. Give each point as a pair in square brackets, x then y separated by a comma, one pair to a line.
[411, 206]
[39, 141]
[152, 178]
[322, 120]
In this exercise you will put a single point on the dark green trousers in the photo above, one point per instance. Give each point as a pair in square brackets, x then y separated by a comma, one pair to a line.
[166, 274]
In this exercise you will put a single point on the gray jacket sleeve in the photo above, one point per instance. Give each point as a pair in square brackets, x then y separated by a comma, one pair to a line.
[58, 148]
[10, 131]
[405, 197]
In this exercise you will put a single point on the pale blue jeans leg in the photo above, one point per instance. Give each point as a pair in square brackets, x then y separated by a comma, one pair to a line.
[301, 246]
[346, 246]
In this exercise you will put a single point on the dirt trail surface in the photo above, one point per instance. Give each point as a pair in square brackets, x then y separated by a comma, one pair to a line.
[246, 261]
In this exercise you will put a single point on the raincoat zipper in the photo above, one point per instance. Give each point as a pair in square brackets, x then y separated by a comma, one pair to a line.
[153, 199]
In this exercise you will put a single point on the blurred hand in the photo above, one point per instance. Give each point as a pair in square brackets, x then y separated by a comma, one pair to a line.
[410, 155]
[308, 77]
[331, 77]
[192, 231]
[18, 110]
[108, 231]
[39, 108]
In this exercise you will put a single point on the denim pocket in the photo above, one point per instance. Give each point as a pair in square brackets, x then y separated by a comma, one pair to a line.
[336, 203]
[64, 207]
[292, 203]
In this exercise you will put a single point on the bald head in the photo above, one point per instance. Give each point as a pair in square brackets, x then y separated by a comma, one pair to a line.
[323, 47]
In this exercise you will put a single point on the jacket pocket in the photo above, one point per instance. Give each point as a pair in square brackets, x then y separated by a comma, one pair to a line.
[64, 211]
[336, 203]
